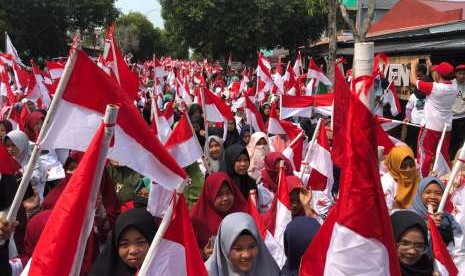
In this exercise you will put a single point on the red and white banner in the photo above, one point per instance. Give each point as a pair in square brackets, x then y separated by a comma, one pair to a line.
[291, 106]
[253, 116]
[443, 262]
[319, 160]
[316, 73]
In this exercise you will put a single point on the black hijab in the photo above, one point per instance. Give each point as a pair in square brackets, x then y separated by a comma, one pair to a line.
[232, 138]
[199, 121]
[108, 262]
[244, 182]
[401, 222]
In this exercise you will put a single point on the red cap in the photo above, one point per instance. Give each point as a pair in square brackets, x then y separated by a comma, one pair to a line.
[460, 67]
[443, 68]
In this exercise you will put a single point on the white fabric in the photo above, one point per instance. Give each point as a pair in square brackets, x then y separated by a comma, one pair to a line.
[287, 112]
[159, 200]
[163, 260]
[417, 114]
[186, 152]
[320, 159]
[459, 104]
[390, 189]
[440, 268]
[265, 198]
[352, 254]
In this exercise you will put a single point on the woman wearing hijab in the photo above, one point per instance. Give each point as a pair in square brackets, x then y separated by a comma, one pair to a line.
[219, 197]
[298, 235]
[125, 251]
[401, 182]
[5, 127]
[411, 237]
[258, 148]
[214, 152]
[236, 163]
[232, 135]
[199, 128]
[430, 192]
[245, 134]
[239, 249]
[32, 124]
[16, 143]
[269, 178]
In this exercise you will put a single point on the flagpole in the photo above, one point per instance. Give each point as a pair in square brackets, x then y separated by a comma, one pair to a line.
[165, 223]
[402, 122]
[458, 163]
[109, 122]
[204, 114]
[438, 150]
[43, 131]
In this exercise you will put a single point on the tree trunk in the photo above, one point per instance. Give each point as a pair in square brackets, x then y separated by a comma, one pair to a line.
[332, 36]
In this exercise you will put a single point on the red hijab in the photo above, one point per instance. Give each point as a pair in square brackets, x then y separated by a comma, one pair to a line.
[269, 174]
[29, 122]
[205, 219]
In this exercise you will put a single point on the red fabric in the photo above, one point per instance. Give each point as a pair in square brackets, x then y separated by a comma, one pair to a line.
[440, 252]
[269, 218]
[8, 165]
[269, 174]
[181, 133]
[253, 109]
[253, 212]
[425, 87]
[293, 183]
[383, 138]
[205, 219]
[361, 206]
[428, 141]
[34, 229]
[62, 233]
[30, 121]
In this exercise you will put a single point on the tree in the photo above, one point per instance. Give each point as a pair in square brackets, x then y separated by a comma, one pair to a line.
[39, 27]
[360, 29]
[218, 27]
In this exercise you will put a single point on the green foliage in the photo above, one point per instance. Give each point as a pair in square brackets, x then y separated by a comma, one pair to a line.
[218, 27]
[39, 27]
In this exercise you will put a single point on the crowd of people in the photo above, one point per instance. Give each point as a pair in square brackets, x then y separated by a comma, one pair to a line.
[238, 160]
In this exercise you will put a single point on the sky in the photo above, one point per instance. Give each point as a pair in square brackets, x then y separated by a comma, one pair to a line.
[150, 8]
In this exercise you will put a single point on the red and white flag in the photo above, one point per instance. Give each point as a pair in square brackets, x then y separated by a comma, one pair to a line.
[160, 124]
[443, 262]
[263, 70]
[316, 73]
[10, 49]
[38, 92]
[215, 109]
[253, 116]
[358, 224]
[387, 124]
[294, 152]
[178, 253]
[298, 65]
[324, 104]
[441, 167]
[169, 112]
[158, 69]
[291, 106]
[55, 69]
[319, 160]
[392, 98]
[290, 81]
[61, 246]
[383, 139]
[183, 144]
[183, 92]
[87, 93]
[277, 126]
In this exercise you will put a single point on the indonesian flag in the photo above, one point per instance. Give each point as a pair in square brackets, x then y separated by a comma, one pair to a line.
[441, 167]
[6, 59]
[319, 160]
[392, 98]
[290, 84]
[87, 93]
[383, 139]
[277, 126]
[10, 49]
[18, 119]
[178, 253]
[296, 106]
[324, 104]
[160, 124]
[280, 213]
[38, 91]
[55, 69]
[8, 165]
[263, 70]
[294, 151]
[316, 73]
[387, 124]
[21, 76]
[298, 65]
[215, 109]
[253, 116]
[61, 246]
[356, 238]
[184, 92]
[183, 144]
[5, 88]
[113, 59]
[244, 81]
[158, 69]
[443, 262]
[276, 250]
[169, 113]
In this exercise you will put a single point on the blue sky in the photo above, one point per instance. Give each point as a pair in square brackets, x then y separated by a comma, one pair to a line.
[150, 8]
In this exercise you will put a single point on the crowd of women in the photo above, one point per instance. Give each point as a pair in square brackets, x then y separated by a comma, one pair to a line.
[221, 184]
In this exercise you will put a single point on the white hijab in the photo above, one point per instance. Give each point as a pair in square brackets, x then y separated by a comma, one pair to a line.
[21, 141]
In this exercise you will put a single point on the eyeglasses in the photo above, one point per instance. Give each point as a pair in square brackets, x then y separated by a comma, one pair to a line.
[418, 246]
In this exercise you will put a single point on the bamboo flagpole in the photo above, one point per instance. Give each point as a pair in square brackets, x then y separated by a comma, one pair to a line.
[43, 131]
[438, 149]
[109, 121]
[460, 161]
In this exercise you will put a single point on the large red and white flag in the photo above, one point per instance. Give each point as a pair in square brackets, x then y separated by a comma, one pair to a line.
[316, 73]
[324, 104]
[215, 109]
[61, 246]
[183, 144]
[87, 93]
[253, 116]
[55, 69]
[443, 262]
[277, 126]
[319, 160]
[178, 253]
[294, 152]
[291, 106]
[264, 70]
[117, 67]
[358, 224]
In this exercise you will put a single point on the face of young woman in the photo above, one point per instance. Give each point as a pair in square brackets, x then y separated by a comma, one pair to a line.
[243, 253]
[2, 131]
[247, 137]
[11, 148]
[224, 199]
[242, 164]
[432, 195]
[411, 247]
[132, 247]
[214, 149]
[296, 205]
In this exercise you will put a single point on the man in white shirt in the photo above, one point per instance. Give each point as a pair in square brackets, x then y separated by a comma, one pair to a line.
[458, 124]
[440, 96]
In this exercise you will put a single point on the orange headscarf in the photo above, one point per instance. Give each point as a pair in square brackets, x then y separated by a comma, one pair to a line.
[407, 183]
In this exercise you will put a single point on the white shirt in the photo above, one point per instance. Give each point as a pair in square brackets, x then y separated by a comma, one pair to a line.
[417, 114]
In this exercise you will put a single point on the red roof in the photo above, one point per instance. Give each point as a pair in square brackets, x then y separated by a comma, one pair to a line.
[415, 14]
